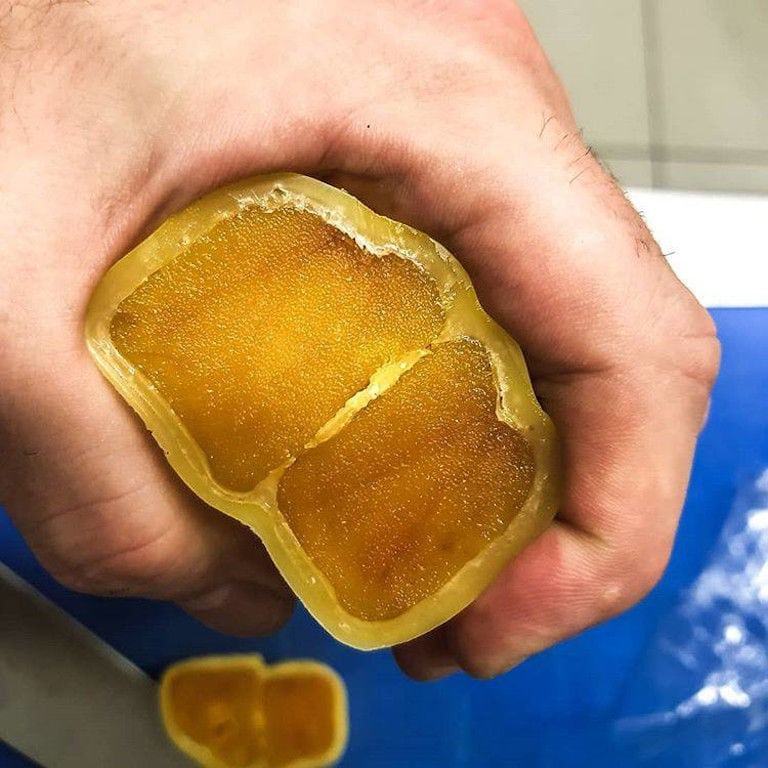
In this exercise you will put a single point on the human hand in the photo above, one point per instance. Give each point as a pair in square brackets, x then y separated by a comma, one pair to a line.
[445, 115]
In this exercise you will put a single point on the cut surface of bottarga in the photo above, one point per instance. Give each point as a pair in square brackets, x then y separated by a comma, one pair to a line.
[375, 506]
[327, 376]
[259, 333]
[237, 712]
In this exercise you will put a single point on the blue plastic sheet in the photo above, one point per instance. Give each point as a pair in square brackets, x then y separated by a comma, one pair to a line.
[680, 680]
[705, 676]
[699, 695]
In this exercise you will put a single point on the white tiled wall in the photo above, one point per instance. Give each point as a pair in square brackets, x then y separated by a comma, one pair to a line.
[671, 93]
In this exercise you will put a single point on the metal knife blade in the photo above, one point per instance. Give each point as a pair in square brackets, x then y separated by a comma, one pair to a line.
[69, 700]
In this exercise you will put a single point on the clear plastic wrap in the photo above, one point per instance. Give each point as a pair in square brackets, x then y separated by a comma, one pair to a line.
[705, 672]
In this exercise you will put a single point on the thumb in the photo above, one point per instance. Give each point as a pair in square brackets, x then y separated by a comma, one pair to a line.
[102, 511]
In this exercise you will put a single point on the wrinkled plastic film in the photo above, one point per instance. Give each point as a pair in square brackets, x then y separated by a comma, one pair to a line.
[706, 668]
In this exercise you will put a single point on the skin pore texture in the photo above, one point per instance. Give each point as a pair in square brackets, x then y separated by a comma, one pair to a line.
[445, 115]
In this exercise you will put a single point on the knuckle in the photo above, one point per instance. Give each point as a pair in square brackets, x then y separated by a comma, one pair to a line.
[127, 569]
[104, 577]
[704, 358]
[279, 613]
[477, 645]
[506, 13]
[615, 598]
[474, 662]
[88, 547]
[690, 338]
[111, 567]
[485, 664]
[479, 668]
[619, 594]
[75, 575]
[651, 568]
[222, 608]
[496, 27]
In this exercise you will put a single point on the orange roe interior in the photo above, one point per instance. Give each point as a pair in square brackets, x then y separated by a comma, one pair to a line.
[257, 335]
[246, 720]
[299, 717]
[412, 488]
[216, 707]
[260, 331]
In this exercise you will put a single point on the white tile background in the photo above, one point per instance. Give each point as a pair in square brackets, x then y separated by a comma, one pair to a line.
[672, 93]
[716, 243]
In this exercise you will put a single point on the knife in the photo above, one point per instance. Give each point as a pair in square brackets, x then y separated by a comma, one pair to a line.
[69, 700]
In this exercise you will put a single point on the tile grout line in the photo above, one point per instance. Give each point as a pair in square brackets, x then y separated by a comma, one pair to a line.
[652, 82]
[684, 154]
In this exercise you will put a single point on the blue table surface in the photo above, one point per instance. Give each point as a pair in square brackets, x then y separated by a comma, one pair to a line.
[540, 713]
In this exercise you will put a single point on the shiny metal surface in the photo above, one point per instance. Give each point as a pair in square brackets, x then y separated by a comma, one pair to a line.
[67, 699]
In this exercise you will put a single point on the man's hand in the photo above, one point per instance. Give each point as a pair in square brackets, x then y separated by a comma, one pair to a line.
[445, 115]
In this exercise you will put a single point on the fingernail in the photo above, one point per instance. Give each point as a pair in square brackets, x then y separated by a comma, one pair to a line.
[239, 608]
[490, 670]
[209, 600]
[439, 672]
[419, 664]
